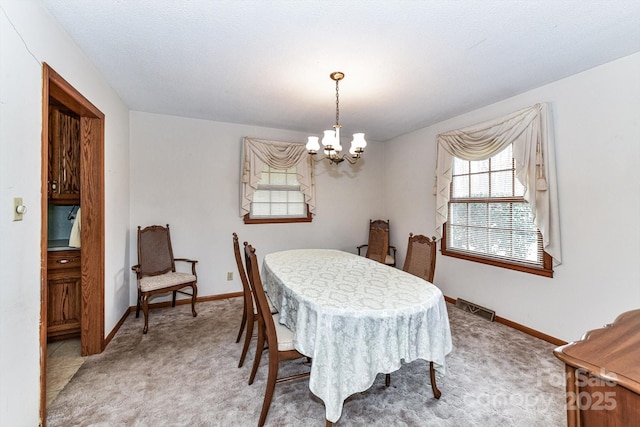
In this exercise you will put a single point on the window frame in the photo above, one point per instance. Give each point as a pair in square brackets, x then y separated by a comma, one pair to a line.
[545, 270]
[278, 219]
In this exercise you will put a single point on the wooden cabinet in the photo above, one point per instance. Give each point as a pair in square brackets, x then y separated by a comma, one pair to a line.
[603, 375]
[63, 294]
[64, 157]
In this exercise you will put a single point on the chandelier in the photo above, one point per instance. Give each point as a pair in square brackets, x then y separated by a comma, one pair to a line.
[331, 138]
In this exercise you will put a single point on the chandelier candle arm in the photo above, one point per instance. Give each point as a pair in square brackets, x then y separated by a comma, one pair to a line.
[331, 138]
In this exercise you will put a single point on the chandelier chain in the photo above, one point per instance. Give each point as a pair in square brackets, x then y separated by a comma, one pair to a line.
[337, 106]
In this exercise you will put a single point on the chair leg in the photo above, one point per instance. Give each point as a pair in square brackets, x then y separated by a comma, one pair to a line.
[258, 356]
[243, 323]
[387, 380]
[193, 299]
[271, 385]
[173, 302]
[145, 310]
[247, 340]
[138, 304]
[434, 387]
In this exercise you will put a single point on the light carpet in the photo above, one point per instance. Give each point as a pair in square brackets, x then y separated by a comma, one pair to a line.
[184, 373]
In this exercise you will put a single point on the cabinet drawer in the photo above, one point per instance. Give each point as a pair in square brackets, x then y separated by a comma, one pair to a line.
[63, 259]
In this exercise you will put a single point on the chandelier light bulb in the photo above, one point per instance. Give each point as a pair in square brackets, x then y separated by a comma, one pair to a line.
[313, 145]
[359, 141]
[329, 138]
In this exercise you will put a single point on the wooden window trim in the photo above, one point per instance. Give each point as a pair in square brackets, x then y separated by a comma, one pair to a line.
[281, 220]
[546, 270]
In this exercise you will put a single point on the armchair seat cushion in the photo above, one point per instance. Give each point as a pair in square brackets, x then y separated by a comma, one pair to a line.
[152, 283]
[389, 260]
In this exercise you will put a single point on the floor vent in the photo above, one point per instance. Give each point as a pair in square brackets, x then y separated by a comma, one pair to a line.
[476, 309]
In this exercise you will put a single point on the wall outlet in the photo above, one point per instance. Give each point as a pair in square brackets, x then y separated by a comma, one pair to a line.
[230, 275]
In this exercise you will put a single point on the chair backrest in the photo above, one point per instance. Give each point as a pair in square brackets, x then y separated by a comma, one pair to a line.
[378, 245]
[264, 312]
[155, 255]
[248, 299]
[379, 223]
[421, 257]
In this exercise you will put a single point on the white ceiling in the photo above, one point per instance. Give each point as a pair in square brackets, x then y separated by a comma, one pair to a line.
[408, 64]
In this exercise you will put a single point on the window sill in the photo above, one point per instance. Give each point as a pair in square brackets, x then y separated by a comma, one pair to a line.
[545, 271]
[248, 220]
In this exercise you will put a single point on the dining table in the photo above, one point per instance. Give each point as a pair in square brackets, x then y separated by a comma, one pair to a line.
[355, 318]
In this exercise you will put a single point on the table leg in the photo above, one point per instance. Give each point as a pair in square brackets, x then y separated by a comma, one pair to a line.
[434, 387]
[329, 423]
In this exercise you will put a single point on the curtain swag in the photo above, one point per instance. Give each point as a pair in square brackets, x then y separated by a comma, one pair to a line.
[528, 130]
[280, 155]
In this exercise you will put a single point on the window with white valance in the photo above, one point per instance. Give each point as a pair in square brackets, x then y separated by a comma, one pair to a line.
[278, 159]
[529, 134]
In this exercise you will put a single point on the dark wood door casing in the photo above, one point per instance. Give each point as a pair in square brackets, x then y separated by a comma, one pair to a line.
[57, 91]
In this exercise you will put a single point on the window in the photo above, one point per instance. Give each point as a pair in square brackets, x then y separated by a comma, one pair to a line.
[489, 221]
[277, 183]
[278, 197]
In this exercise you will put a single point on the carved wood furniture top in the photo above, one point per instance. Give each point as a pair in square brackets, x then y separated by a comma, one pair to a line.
[611, 353]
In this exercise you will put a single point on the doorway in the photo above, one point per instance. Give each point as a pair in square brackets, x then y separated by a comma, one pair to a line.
[57, 91]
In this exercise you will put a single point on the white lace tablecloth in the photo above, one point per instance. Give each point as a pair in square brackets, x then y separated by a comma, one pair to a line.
[355, 318]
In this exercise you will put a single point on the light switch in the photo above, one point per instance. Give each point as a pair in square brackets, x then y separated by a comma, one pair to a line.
[18, 209]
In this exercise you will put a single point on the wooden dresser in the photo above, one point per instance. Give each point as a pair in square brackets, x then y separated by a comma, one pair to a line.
[603, 375]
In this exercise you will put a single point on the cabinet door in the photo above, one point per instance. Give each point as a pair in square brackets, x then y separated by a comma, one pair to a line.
[64, 301]
[64, 157]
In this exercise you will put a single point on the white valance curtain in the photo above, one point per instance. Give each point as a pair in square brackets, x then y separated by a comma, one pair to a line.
[280, 155]
[529, 133]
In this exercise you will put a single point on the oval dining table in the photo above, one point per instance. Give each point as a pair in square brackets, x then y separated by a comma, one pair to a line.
[355, 318]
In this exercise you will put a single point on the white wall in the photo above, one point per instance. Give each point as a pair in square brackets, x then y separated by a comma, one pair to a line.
[597, 127]
[29, 36]
[186, 172]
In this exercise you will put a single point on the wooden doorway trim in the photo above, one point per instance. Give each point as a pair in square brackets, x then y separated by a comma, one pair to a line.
[92, 236]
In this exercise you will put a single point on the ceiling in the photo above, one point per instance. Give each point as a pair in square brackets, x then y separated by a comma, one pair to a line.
[407, 64]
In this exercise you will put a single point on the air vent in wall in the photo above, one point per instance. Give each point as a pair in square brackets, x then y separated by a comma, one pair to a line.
[476, 309]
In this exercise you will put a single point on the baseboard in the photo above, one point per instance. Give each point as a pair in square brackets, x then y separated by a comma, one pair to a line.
[522, 328]
[188, 301]
[450, 300]
[181, 301]
[218, 297]
[528, 330]
[115, 329]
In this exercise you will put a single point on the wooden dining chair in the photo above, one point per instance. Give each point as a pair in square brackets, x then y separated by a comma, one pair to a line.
[249, 313]
[421, 257]
[279, 338]
[249, 309]
[378, 247]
